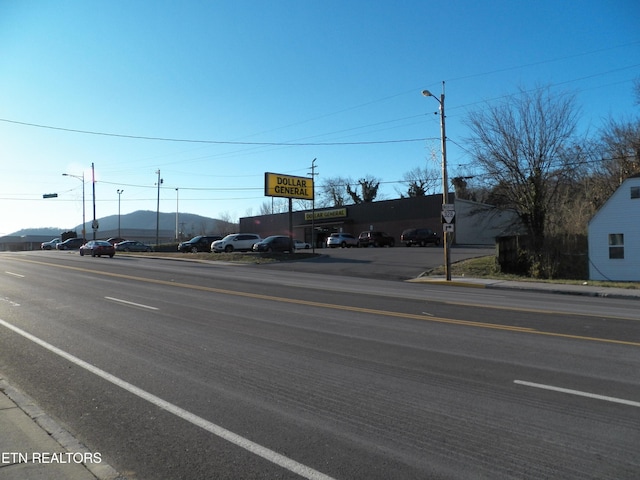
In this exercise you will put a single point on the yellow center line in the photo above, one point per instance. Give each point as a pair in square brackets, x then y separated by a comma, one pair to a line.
[347, 308]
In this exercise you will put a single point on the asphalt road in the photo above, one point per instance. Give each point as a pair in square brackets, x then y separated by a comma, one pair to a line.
[191, 370]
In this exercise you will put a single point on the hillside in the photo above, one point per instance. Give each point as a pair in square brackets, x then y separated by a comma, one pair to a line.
[141, 219]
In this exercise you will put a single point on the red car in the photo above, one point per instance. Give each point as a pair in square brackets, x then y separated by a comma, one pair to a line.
[97, 248]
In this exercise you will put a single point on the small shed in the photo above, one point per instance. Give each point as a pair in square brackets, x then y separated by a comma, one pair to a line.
[614, 235]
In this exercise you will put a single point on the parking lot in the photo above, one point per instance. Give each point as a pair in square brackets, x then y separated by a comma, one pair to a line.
[398, 263]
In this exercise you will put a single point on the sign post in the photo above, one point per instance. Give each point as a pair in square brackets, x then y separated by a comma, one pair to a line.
[287, 186]
[448, 213]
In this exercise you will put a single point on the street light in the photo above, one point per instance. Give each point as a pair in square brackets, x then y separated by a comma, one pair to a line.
[445, 180]
[177, 235]
[81, 178]
[119, 191]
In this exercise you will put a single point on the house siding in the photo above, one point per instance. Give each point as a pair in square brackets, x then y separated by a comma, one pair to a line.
[620, 214]
[480, 224]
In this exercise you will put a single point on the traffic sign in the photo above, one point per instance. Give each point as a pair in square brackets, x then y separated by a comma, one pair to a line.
[50, 195]
[448, 215]
[448, 227]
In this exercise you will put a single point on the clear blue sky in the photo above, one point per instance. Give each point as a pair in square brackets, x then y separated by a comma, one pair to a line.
[273, 72]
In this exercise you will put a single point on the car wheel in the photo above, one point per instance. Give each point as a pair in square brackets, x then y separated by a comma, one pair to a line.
[127, 249]
[111, 255]
[82, 253]
[228, 248]
[194, 249]
[437, 242]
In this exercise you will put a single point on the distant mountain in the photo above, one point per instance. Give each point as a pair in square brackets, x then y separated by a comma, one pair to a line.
[49, 231]
[189, 224]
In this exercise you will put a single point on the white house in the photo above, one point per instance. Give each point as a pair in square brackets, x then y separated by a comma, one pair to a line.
[614, 235]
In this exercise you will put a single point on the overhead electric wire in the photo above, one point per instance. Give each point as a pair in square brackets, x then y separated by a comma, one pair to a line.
[213, 142]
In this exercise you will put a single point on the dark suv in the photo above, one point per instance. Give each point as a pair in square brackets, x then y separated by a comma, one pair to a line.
[377, 239]
[419, 236]
[71, 244]
[201, 243]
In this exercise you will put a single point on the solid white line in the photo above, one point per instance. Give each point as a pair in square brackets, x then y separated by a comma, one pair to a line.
[126, 302]
[264, 452]
[579, 393]
[14, 274]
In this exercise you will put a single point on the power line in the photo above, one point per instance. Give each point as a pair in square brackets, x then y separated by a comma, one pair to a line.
[213, 142]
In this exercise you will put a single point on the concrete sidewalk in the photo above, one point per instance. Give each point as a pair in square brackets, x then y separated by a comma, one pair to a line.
[33, 446]
[560, 288]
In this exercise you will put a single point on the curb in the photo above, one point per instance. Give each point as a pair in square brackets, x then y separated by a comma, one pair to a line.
[587, 291]
[102, 470]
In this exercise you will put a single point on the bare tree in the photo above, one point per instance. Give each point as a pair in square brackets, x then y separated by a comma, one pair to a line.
[368, 187]
[333, 192]
[520, 145]
[419, 182]
[275, 205]
[621, 150]
[227, 224]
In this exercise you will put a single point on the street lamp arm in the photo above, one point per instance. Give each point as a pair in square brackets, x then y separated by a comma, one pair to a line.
[427, 93]
[74, 176]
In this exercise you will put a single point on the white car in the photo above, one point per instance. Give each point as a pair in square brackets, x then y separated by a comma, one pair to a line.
[241, 242]
[342, 240]
[300, 245]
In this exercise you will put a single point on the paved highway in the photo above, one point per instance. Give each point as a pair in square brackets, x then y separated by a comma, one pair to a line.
[191, 370]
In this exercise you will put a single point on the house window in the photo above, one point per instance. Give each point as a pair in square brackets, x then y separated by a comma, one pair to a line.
[616, 245]
[635, 192]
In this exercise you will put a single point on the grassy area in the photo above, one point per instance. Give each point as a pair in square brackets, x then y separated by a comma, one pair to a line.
[242, 257]
[485, 267]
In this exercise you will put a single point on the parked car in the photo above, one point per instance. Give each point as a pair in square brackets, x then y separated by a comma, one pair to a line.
[300, 245]
[419, 236]
[133, 246]
[275, 243]
[71, 244]
[114, 240]
[50, 245]
[342, 240]
[376, 239]
[97, 248]
[201, 243]
[236, 242]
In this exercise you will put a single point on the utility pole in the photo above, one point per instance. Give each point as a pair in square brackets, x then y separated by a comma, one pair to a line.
[448, 227]
[158, 210]
[177, 234]
[119, 192]
[94, 224]
[313, 206]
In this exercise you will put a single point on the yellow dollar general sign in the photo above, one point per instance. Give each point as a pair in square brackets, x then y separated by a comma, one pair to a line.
[276, 185]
